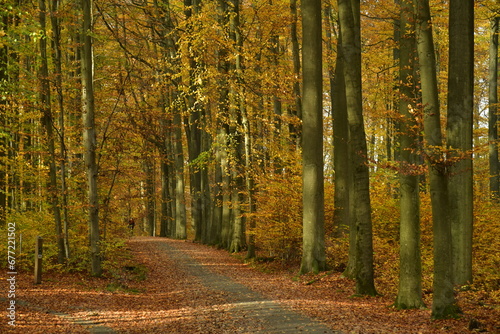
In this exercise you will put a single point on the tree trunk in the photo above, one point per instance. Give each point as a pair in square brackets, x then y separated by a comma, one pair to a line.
[180, 202]
[165, 199]
[360, 215]
[149, 171]
[57, 56]
[236, 148]
[493, 111]
[4, 78]
[340, 142]
[193, 128]
[313, 245]
[89, 137]
[46, 109]
[443, 299]
[249, 186]
[459, 135]
[410, 263]
[297, 109]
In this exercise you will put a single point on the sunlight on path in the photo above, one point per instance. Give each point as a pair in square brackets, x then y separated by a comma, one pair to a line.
[256, 313]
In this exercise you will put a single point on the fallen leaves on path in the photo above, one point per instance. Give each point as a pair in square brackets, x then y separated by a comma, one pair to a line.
[169, 300]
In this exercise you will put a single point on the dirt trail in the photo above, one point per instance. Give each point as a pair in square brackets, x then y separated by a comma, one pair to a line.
[192, 288]
[181, 294]
[255, 313]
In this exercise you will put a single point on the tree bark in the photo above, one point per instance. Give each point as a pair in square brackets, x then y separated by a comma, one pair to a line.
[313, 244]
[180, 202]
[149, 171]
[297, 108]
[4, 79]
[193, 128]
[89, 137]
[46, 109]
[443, 304]
[360, 214]
[493, 111]
[410, 263]
[57, 56]
[340, 143]
[459, 135]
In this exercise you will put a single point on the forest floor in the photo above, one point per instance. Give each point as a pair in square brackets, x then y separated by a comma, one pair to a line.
[160, 285]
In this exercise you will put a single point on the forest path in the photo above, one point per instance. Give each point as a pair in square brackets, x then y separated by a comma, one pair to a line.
[248, 309]
[188, 288]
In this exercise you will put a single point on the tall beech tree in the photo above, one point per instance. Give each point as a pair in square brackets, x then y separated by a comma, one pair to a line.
[58, 83]
[443, 302]
[410, 267]
[360, 215]
[459, 135]
[89, 137]
[48, 122]
[340, 131]
[297, 108]
[313, 247]
[494, 162]
[4, 79]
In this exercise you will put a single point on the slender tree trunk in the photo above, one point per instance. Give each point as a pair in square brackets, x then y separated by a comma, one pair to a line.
[313, 244]
[149, 170]
[459, 135]
[360, 215]
[249, 186]
[89, 137]
[48, 123]
[216, 230]
[236, 148]
[193, 128]
[206, 199]
[443, 298]
[493, 111]
[226, 230]
[340, 142]
[165, 199]
[297, 109]
[180, 202]
[410, 263]
[173, 205]
[57, 56]
[4, 78]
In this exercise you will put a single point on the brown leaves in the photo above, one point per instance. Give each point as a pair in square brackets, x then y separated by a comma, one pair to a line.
[171, 300]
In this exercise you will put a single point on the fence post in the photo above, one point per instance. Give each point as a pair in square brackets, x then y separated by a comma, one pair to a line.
[38, 259]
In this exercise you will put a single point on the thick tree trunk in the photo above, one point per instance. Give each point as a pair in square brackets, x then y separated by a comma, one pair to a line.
[410, 263]
[89, 137]
[360, 215]
[313, 245]
[443, 298]
[459, 135]
[493, 111]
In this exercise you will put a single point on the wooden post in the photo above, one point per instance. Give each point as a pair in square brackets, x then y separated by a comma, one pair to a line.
[38, 259]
